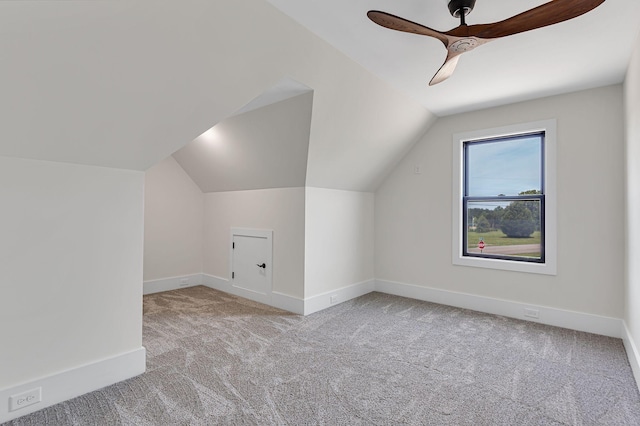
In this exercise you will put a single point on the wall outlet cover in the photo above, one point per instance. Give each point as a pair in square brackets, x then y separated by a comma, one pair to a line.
[25, 399]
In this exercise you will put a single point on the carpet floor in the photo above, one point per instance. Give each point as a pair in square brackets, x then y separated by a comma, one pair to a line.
[213, 358]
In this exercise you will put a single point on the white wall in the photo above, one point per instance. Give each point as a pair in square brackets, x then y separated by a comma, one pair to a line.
[413, 211]
[281, 210]
[173, 222]
[338, 239]
[632, 122]
[70, 267]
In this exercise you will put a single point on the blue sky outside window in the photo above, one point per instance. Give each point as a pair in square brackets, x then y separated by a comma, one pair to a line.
[504, 167]
[500, 220]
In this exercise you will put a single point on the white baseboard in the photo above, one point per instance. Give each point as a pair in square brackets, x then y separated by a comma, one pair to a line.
[216, 283]
[223, 284]
[171, 283]
[606, 326]
[288, 303]
[632, 352]
[323, 301]
[291, 303]
[579, 321]
[77, 381]
[275, 299]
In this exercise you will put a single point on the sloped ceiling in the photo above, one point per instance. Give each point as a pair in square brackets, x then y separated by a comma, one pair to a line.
[266, 146]
[125, 84]
[589, 51]
[284, 89]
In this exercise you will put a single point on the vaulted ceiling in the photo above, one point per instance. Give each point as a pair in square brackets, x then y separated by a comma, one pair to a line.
[264, 145]
[589, 51]
[125, 84]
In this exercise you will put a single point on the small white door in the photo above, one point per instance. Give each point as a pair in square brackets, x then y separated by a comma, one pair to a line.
[251, 263]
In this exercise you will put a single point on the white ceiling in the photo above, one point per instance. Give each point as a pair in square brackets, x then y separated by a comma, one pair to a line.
[285, 88]
[124, 84]
[265, 146]
[589, 51]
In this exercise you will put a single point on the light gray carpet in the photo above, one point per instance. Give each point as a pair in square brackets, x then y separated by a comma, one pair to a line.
[218, 359]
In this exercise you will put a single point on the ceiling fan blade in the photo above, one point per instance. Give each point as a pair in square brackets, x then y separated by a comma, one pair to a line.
[549, 13]
[393, 22]
[446, 70]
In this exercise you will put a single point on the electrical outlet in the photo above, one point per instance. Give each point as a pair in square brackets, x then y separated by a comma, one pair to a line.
[531, 313]
[333, 299]
[25, 399]
[184, 282]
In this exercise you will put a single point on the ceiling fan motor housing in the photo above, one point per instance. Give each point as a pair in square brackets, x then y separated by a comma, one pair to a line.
[455, 6]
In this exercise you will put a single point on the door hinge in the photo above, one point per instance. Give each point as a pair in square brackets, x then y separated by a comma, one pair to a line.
[233, 246]
[233, 275]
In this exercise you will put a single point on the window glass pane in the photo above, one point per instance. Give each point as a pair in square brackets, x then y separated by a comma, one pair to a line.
[505, 167]
[504, 228]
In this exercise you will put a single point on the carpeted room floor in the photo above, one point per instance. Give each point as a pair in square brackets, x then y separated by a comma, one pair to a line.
[213, 358]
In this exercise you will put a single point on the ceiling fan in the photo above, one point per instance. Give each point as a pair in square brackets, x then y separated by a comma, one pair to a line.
[465, 38]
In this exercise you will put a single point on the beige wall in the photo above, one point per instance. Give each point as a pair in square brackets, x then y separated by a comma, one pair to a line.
[281, 210]
[71, 266]
[632, 114]
[173, 215]
[413, 212]
[338, 239]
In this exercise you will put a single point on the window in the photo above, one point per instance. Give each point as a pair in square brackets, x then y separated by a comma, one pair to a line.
[503, 198]
[504, 203]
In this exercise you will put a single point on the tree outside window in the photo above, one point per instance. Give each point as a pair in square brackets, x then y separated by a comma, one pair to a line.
[503, 201]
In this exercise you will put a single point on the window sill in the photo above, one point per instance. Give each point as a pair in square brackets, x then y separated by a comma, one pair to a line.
[506, 265]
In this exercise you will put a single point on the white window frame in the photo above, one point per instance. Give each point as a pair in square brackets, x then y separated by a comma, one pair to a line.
[549, 267]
